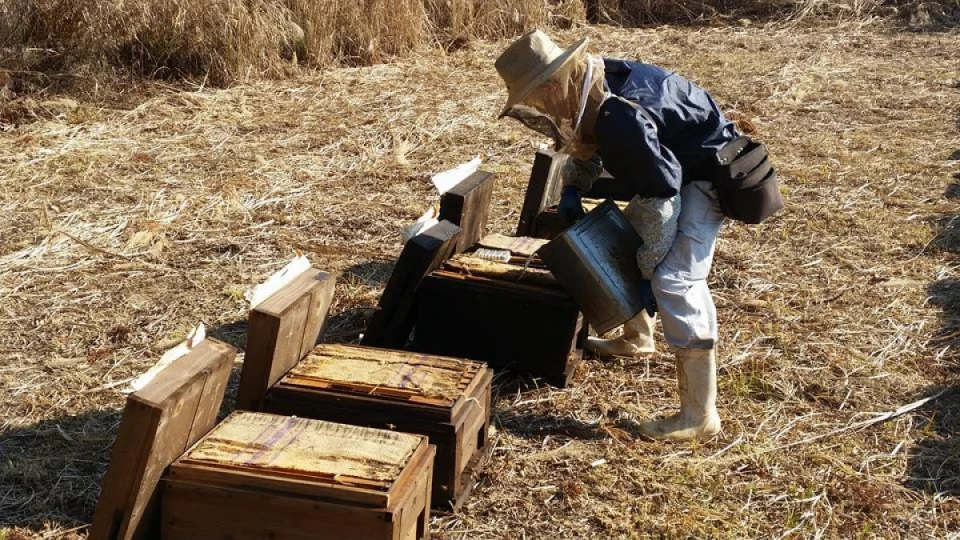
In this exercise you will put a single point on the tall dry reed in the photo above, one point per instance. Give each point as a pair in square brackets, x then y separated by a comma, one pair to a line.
[643, 12]
[222, 41]
[226, 40]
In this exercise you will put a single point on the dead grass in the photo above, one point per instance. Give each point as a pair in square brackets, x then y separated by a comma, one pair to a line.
[120, 227]
[227, 41]
[53, 45]
[918, 14]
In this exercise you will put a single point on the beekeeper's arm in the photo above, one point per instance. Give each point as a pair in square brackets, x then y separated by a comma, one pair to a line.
[634, 153]
[655, 220]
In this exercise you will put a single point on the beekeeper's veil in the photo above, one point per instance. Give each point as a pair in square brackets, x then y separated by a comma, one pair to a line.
[548, 88]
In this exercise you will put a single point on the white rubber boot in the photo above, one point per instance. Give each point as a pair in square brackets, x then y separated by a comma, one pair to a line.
[637, 338]
[697, 382]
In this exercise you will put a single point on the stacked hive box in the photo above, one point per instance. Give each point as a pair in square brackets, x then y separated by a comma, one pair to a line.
[266, 476]
[516, 316]
[174, 475]
[446, 399]
[508, 314]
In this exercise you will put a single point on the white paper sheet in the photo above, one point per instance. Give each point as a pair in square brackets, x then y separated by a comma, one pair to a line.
[193, 339]
[274, 283]
[424, 222]
[447, 179]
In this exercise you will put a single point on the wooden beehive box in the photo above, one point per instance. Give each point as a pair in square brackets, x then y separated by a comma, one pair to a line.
[510, 315]
[446, 399]
[538, 215]
[264, 476]
[160, 421]
[550, 225]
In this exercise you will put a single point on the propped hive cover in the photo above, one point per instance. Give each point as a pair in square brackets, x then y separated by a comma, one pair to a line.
[160, 421]
[314, 450]
[421, 378]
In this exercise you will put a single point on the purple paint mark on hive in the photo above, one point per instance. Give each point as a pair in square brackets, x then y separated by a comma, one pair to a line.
[300, 428]
[236, 456]
[278, 435]
[417, 377]
[406, 373]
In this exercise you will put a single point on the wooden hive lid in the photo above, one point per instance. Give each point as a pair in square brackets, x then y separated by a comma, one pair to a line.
[520, 246]
[434, 381]
[287, 447]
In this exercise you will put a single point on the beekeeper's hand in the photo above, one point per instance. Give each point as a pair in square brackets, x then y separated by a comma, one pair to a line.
[570, 208]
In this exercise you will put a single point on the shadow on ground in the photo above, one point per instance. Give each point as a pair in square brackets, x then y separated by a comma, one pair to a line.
[537, 425]
[234, 333]
[43, 468]
[50, 472]
[935, 461]
[370, 273]
[934, 465]
[346, 326]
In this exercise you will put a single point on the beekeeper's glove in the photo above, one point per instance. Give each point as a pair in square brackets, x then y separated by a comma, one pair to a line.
[570, 208]
[646, 297]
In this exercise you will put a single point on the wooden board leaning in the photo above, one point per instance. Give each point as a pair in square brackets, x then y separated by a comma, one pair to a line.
[282, 329]
[159, 422]
[467, 205]
[393, 320]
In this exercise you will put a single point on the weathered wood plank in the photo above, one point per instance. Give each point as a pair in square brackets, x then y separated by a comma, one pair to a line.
[281, 331]
[543, 190]
[475, 266]
[392, 322]
[159, 422]
[196, 511]
[308, 449]
[523, 246]
[467, 205]
[384, 372]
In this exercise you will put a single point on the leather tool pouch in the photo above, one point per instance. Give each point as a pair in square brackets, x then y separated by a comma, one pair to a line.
[746, 181]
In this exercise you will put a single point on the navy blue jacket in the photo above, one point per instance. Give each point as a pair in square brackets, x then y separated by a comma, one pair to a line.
[674, 127]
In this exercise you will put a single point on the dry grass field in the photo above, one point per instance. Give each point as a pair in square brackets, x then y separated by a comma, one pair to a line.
[124, 222]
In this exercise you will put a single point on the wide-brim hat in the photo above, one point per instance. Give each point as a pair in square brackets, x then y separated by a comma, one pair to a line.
[528, 62]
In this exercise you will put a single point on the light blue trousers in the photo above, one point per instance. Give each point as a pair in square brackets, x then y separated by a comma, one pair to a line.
[686, 307]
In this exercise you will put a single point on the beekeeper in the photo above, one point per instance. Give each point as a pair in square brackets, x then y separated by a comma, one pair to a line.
[662, 134]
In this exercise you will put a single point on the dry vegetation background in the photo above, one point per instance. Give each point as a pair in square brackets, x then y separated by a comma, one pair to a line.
[131, 208]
